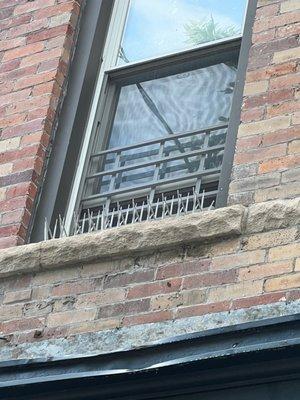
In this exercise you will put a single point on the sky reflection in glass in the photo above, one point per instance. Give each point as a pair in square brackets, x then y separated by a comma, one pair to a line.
[159, 27]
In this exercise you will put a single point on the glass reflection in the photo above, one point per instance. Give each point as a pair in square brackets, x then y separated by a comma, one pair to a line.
[158, 27]
[175, 104]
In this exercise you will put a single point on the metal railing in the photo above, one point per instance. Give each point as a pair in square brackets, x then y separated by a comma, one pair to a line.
[151, 180]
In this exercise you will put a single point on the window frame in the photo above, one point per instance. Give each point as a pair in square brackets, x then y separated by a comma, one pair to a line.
[61, 200]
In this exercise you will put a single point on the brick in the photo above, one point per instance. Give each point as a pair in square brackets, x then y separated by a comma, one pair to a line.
[9, 66]
[121, 280]
[279, 164]
[278, 192]
[70, 317]
[256, 272]
[94, 326]
[35, 79]
[255, 182]
[13, 179]
[183, 268]
[236, 291]
[154, 288]
[60, 19]
[38, 309]
[10, 312]
[291, 80]
[201, 309]
[260, 154]
[125, 308]
[47, 33]
[12, 43]
[169, 301]
[255, 114]
[283, 282]
[13, 97]
[32, 6]
[29, 104]
[25, 324]
[5, 169]
[294, 147]
[288, 30]
[51, 11]
[281, 136]
[266, 126]
[41, 57]
[288, 107]
[253, 88]
[286, 55]
[23, 129]
[292, 175]
[209, 279]
[270, 239]
[263, 299]
[153, 317]
[238, 260]
[267, 11]
[276, 21]
[72, 288]
[269, 97]
[101, 298]
[264, 36]
[23, 51]
[26, 27]
[290, 5]
[17, 297]
[286, 252]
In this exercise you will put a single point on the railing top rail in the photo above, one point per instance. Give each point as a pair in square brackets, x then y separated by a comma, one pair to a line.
[151, 184]
[156, 161]
[159, 140]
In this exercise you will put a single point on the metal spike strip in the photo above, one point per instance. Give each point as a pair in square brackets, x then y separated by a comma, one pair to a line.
[134, 213]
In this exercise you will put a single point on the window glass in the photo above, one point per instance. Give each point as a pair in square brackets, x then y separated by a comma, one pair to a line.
[149, 110]
[159, 27]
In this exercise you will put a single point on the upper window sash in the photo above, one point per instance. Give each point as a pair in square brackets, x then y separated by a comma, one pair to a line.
[120, 23]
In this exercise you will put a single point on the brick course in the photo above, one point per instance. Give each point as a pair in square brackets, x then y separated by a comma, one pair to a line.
[269, 122]
[36, 43]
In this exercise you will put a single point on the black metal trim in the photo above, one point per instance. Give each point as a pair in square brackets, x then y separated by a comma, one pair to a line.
[57, 183]
[261, 351]
[234, 120]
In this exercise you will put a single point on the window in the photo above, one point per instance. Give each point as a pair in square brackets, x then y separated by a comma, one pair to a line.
[156, 137]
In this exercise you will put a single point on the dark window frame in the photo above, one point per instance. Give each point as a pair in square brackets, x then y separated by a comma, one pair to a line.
[55, 189]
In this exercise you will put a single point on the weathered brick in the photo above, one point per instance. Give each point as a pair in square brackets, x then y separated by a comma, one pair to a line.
[286, 252]
[168, 301]
[120, 280]
[261, 271]
[289, 5]
[71, 288]
[286, 55]
[209, 279]
[201, 309]
[294, 147]
[283, 282]
[236, 291]
[70, 317]
[238, 260]
[125, 308]
[270, 239]
[183, 268]
[17, 297]
[266, 126]
[147, 318]
[253, 88]
[23, 51]
[263, 299]
[154, 288]
[109, 296]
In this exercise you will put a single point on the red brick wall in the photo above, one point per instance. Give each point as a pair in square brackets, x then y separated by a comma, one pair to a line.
[267, 159]
[36, 42]
[252, 270]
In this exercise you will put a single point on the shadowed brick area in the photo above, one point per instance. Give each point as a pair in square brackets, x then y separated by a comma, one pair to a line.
[36, 43]
[267, 158]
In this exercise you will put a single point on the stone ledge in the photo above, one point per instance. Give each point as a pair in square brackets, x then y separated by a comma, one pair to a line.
[145, 237]
[128, 240]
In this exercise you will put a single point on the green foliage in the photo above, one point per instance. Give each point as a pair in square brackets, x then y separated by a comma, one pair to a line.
[207, 31]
